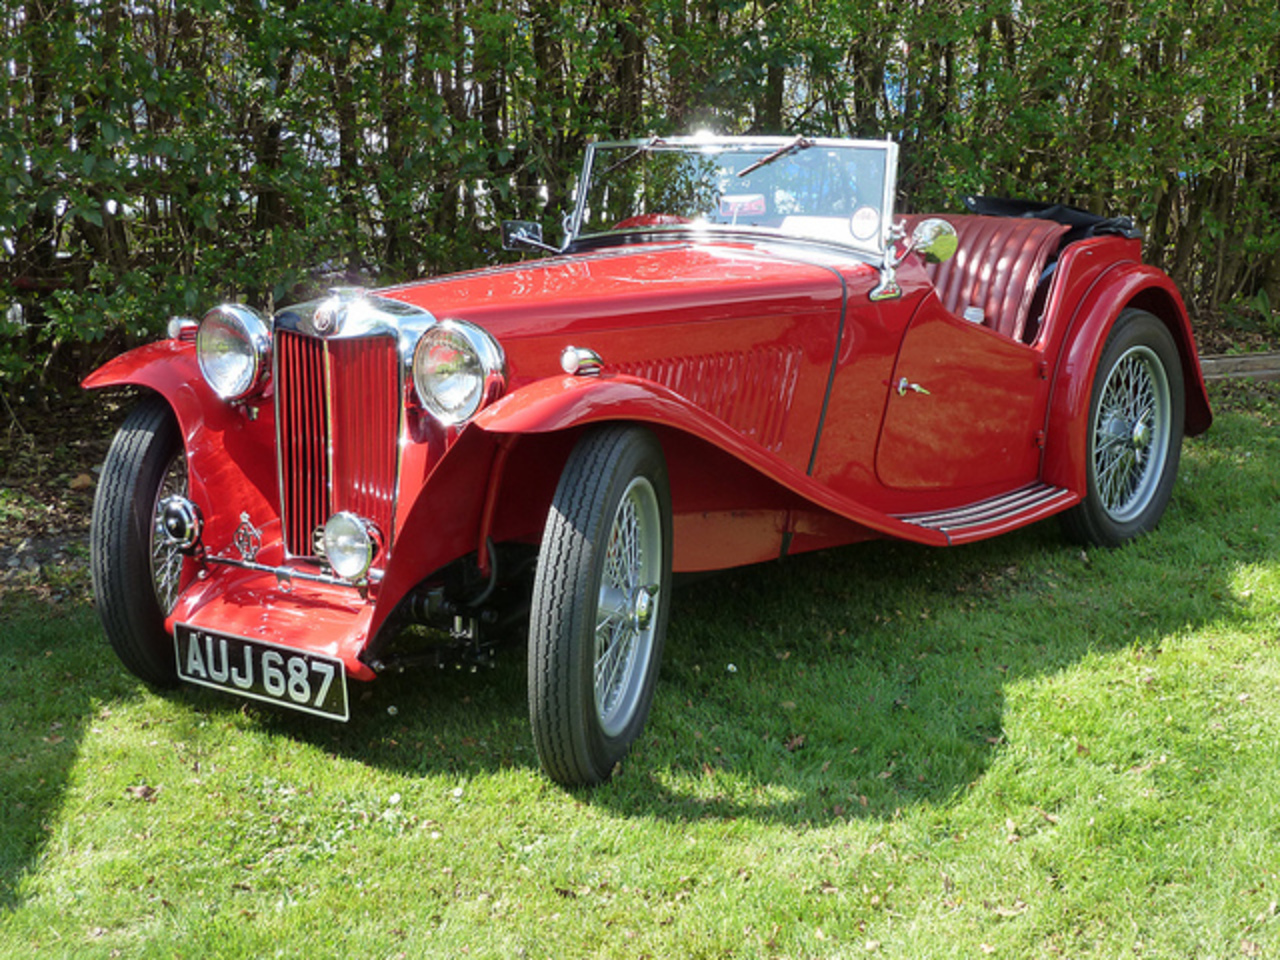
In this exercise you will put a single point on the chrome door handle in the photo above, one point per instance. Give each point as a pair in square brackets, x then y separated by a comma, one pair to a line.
[904, 385]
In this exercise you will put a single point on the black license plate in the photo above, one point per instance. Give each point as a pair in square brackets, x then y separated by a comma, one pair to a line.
[309, 682]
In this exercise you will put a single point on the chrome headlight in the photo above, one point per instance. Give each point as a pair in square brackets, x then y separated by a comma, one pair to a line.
[457, 368]
[233, 346]
[350, 544]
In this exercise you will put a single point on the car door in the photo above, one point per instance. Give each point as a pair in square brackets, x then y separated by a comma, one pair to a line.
[965, 410]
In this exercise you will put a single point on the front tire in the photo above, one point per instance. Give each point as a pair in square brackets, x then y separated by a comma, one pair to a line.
[601, 597]
[1136, 416]
[136, 572]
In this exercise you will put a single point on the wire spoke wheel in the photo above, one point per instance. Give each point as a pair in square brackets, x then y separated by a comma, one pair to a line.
[600, 604]
[166, 556]
[1131, 430]
[1134, 437]
[628, 592]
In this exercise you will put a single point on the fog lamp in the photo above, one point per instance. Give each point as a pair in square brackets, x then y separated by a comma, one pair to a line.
[350, 544]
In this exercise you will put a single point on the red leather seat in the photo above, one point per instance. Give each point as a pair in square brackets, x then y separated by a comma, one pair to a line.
[997, 264]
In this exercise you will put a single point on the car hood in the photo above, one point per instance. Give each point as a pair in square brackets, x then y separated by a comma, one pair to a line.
[658, 283]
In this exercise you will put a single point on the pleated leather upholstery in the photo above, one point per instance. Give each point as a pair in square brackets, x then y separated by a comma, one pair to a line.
[996, 267]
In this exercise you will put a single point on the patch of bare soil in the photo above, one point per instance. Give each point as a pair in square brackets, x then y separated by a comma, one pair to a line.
[50, 463]
[1218, 333]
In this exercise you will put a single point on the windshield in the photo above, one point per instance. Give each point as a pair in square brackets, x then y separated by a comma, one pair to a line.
[837, 191]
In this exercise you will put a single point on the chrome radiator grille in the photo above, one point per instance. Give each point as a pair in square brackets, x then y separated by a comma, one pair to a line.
[337, 432]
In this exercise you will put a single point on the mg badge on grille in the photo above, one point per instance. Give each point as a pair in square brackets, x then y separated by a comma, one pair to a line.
[317, 542]
[328, 317]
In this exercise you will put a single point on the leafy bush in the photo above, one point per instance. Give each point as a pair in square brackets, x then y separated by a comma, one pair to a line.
[160, 157]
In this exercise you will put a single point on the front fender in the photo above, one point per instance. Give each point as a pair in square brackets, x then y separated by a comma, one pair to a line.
[168, 367]
[559, 404]
[230, 447]
[1126, 285]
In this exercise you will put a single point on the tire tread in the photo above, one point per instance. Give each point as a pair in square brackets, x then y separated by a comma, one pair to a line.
[119, 540]
[566, 557]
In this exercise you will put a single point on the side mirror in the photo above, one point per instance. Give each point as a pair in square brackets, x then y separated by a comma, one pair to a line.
[935, 240]
[524, 235]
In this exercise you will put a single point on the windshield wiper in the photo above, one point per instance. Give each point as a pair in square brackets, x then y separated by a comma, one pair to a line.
[799, 143]
[652, 144]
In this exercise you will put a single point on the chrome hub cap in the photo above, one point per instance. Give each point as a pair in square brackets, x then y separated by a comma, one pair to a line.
[1131, 432]
[627, 607]
[642, 608]
[1141, 436]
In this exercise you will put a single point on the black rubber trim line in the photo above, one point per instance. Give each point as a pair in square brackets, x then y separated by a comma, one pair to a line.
[835, 363]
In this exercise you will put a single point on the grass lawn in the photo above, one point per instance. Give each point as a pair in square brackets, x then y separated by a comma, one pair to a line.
[1009, 749]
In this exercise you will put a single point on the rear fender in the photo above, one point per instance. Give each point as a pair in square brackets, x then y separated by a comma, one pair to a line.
[1127, 285]
[230, 447]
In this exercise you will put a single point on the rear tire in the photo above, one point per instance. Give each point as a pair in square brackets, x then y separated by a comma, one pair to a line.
[1134, 441]
[601, 597]
[136, 574]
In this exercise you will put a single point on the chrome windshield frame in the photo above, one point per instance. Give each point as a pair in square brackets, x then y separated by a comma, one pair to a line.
[878, 246]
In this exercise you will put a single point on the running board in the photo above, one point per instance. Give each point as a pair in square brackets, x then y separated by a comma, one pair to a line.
[986, 518]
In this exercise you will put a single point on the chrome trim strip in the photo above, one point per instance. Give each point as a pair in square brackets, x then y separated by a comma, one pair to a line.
[890, 193]
[279, 417]
[744, 142]
[1025, 500]
[326, 371]
[574, 225]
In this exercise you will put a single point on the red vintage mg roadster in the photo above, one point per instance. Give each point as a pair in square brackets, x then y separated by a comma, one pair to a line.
[739, 352]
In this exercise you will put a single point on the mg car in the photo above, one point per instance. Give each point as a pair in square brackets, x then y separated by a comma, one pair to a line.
[741, 350]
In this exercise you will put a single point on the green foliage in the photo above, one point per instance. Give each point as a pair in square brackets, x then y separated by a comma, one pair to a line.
[159, 157]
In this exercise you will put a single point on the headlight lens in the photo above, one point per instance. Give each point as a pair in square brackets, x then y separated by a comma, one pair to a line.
[457, 368]
[350, 544]
[233, 347]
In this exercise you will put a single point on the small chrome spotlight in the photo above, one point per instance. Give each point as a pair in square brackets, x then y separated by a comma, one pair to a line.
[351, 544]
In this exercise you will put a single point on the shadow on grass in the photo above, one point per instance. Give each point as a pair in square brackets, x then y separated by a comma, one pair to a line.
[854, 682]
[427, 722]
[850, 683]
[869, 679]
